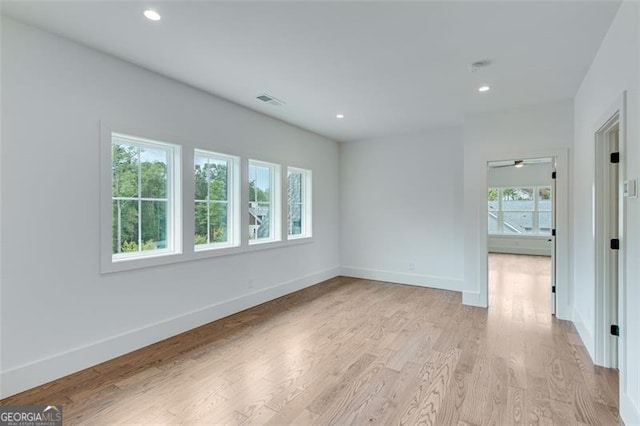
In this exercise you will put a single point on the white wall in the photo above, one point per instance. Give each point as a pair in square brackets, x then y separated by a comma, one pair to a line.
[401, 205]
[615, 69]
[529, 175]
[532, 132]
[59, 314]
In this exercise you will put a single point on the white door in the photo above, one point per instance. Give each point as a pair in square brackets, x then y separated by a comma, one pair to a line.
[612, 279]
[552, 239]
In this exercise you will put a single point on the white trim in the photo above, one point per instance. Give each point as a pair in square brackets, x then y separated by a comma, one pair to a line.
[54, 367]
[472, 299]
[109, 262]
[441, 283]
[585, 332]
[275, 201]
[602, 339]
[232, 201]
[603, 265]
[306, 184]
[629, 412]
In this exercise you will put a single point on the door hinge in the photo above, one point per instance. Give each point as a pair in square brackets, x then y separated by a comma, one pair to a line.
[553, 175]
[615, 157]
[553, 289]
[615, 330]
[615, 244]
[553, 232]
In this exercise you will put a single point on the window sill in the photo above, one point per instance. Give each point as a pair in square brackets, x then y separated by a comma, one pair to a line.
[298, 237]
[526, 236]
[266, 245]
[126, 264]
[171, 258]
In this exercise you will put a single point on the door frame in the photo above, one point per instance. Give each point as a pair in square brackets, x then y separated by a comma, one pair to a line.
[551, 237]
[476, 252]
[604, 352]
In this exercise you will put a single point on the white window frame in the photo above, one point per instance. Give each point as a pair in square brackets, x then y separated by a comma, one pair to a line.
[305, 204]
[233, 200]
[535, 230]
[181, 192]
[275, 209]
[116, 262]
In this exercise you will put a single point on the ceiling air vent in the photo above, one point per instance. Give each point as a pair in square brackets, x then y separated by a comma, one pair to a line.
[272, 100]
[478, 65]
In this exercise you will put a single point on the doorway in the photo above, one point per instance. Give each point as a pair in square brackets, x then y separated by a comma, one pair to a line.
[607, 213]
[521, 245]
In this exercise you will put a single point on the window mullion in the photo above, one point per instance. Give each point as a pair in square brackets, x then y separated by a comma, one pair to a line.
[272, 186]
[500, 215]
[303, 205]
[536, 225]
[230, 213]
[208, 222]
[208, 201]
[139, 199]
[119, 250]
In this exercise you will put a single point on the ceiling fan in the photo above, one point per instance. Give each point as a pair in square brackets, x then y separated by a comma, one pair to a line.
[515, 163]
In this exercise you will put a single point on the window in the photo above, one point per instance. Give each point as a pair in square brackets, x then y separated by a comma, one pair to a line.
[520, 211]
[215, 200]
[144, 199]
[298, 203]
[141, 202]
[263, 201]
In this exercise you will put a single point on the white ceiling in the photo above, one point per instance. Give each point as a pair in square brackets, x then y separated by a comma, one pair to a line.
[389, 67]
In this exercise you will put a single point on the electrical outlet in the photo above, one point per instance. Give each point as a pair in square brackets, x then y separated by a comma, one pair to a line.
[412, 266]
[250, 282]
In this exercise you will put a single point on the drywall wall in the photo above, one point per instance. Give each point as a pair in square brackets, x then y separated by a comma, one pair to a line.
[532, 132]
[529, 175]
[401, 209]
[59, 314]
[614, 70]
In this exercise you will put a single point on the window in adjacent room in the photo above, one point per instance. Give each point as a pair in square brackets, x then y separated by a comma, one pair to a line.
[264, 183]
[216, 200]
[520, 210]
[298, 203]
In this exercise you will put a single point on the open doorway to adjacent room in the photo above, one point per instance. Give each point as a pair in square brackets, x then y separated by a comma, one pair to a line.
[521, 237]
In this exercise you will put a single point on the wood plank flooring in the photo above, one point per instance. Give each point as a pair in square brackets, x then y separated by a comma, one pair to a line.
[352, 351]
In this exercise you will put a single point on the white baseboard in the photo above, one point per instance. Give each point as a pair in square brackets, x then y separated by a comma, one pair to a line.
[472, 298]
[403, 278]
[521, 250]
[54, 367]
[585, 332]
[629, 412]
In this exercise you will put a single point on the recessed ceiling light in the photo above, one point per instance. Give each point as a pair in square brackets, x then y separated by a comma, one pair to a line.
[484, 88]
[152, 15]
[339, 115]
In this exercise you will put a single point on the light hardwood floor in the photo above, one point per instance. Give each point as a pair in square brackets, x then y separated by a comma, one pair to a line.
[351, 351]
